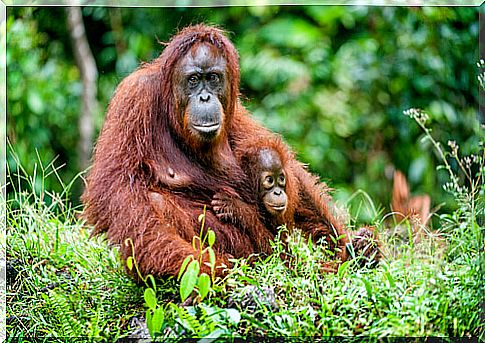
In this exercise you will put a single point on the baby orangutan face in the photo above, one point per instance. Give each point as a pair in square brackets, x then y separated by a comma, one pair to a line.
[272, 182]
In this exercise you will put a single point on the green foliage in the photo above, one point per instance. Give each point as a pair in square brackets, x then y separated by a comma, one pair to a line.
[198, 321]
[189, 279]
[405, 296]
[466, 183]
[64, 313]
[172, 321]
[344, 86]
[68, 284]
[202, 321]
[155, 314]
[429, 287]
[43, 88]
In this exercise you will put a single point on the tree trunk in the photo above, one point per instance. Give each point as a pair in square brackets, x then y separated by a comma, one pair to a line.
[89, 74]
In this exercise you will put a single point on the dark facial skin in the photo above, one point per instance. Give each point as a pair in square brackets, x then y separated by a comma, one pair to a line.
[201, 83]
[272, 183]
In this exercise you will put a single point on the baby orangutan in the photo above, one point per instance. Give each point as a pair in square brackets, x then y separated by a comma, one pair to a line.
[278, 198]
[273, 196]
[268, 178]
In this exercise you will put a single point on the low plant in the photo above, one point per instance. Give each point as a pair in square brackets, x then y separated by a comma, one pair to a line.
[170, 320]
[190, 279]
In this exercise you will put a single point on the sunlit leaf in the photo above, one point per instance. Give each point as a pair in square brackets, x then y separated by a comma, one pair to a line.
[150, 298]
[158, 318]
[184, 264]
[189, 279]
[203, 284]
[211, 237]
[129, 262]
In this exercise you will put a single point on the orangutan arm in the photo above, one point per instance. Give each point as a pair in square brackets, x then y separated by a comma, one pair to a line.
[233, 210]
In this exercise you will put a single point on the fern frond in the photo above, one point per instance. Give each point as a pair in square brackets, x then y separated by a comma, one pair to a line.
[71, 327]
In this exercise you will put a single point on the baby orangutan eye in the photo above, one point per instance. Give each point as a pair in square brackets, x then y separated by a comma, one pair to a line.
[282, 180]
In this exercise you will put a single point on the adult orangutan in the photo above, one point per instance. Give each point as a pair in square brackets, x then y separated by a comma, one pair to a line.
[166, 149]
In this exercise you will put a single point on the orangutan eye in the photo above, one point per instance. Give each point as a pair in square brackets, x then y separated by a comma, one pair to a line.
[213, 78]
[269, 180]
[193, 80]
[282, 180]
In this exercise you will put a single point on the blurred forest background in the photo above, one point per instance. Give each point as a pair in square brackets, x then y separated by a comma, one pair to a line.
[333, 81]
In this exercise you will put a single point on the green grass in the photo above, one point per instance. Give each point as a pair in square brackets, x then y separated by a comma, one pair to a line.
[405, 296]
[61, 283]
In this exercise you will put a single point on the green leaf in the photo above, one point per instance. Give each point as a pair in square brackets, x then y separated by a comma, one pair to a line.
[189, 279]
[150, 298]
[341, 237]
[129, 262]
[211, 237]
[389, 277]
[204, 284]
[152, 280]
[158, 318]
[212, 258]
[149, 321]
[368, 287]
[184, 264]
[343, 268]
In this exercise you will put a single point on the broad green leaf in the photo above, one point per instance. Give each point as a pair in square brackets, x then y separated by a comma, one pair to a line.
[189, 280]
[211, 238]
[212, 257]
[158, 318]
[343, 268]
[149, 321]
[184, 264]
[203, 283]
[150, 298]
[129, 262]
